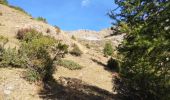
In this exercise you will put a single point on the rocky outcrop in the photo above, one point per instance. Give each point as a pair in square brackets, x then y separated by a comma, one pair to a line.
[97, 39]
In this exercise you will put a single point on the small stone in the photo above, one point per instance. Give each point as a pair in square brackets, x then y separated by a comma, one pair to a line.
[7, 92]
[10, 88]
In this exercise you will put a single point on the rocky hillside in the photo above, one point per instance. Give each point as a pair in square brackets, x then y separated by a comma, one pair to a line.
[92, 82]
[97, 39]
[12, 20]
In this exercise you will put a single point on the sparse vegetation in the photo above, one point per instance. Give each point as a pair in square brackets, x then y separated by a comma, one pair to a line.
[19, 9]
[48, 30]
[76, 51]
[21, 33]
[73, 37]
[27, 34]
[32, 75]
[57, 29]
[108, 49]
[5, 2]
[41, 19]
[1, 13]
[63, 48]
[140, 65]
[69, 64]
[33, 54]
[88, 46]
[39, 53]
[12, 58]
[3, 41]
[34, 58]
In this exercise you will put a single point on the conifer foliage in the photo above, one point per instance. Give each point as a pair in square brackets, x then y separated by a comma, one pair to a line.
[145, 70]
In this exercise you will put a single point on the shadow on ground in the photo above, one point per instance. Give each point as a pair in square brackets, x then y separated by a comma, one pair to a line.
[73, 89]
[98, 62]
[102, 64]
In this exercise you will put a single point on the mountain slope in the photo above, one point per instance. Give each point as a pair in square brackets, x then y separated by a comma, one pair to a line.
[94, 74]
[97, 39]
[12, 20]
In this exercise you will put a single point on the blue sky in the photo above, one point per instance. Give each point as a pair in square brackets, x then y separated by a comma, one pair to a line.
[70, 14]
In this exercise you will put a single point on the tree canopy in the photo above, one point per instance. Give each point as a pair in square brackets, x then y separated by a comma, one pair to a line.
[145, 70]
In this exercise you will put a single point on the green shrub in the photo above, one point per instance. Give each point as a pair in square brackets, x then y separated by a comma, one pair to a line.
[88, 46]
[42, 51]
[63, 48]
[73, 37]
[41, 19]
[69, 64]
[3, 41]
[76, 51]
[32, 75]
[5, 2]
[108, 49]
[37, 53]
[12, 58]
[37, 48]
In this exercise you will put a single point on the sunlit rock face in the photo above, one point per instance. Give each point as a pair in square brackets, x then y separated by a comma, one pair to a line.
[97, 39]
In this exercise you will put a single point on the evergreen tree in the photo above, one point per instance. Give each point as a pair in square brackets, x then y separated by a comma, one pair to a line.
[145, 70]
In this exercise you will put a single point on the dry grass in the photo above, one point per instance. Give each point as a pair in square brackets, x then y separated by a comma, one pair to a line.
[92, 73]
[1, 13]
[76, 51]
[19, 9]
[19, 88]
